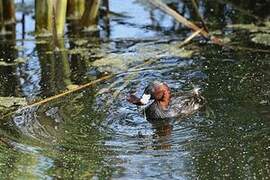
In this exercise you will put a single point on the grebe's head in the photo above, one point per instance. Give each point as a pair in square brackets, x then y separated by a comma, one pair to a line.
[157, 91]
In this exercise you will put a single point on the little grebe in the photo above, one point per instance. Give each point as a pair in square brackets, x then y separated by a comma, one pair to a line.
[163, 105]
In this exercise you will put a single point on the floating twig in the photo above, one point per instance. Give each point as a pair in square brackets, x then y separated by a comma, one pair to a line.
[195, 6]
[68, 92]
[178, 17]
[6, 142]
[43, 101]
[183, 20]
[188, 39]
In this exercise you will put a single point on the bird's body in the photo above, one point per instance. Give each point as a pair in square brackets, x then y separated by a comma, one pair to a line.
[167, 105]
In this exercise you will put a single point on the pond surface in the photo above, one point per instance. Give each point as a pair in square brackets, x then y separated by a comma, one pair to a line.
[95, 133]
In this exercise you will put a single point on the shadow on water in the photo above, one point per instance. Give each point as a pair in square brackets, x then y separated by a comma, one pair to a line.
[96, 133]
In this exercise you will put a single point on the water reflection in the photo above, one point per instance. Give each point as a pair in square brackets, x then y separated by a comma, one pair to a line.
[64, 149]
[162, 134]
[8, 55]
[55, 68]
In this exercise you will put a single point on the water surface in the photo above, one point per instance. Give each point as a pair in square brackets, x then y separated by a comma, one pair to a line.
[96, 133]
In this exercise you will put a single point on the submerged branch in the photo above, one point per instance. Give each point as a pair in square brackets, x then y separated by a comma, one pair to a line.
[6, 142]
[183, 20]
[178, 17]
[195, 7]
[68, 92]
[61, 94]
[188, 39]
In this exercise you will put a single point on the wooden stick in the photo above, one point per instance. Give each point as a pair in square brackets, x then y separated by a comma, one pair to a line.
[195, 6]
[68, 92]
[61, 94]
[184, 21]
[188, 39]
[5, 142]
[178, 17]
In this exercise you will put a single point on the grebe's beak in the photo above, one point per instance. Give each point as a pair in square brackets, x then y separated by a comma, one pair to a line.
[145, 99]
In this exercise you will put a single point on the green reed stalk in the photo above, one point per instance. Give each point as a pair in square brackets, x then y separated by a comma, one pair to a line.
[9, 11]
[43, 15]
[75, 9]
[90, 14]
[60, 8]
[2, 24]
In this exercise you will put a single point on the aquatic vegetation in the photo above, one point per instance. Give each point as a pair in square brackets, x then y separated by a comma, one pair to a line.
[9, 104]
[261, 38]
[259, 34]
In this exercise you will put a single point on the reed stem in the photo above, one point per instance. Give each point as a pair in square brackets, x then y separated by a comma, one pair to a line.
[43, 15]
[9, 13]
[90, 14]
[75, 9]
[2, 23]
[60, 9]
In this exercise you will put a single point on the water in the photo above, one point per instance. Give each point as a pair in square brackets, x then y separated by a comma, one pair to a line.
[96, 133]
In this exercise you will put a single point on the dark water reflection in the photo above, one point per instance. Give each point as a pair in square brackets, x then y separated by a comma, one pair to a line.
[96, 133]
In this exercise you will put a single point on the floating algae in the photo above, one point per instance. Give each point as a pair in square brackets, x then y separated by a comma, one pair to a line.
[8, 104]
[261, 38]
